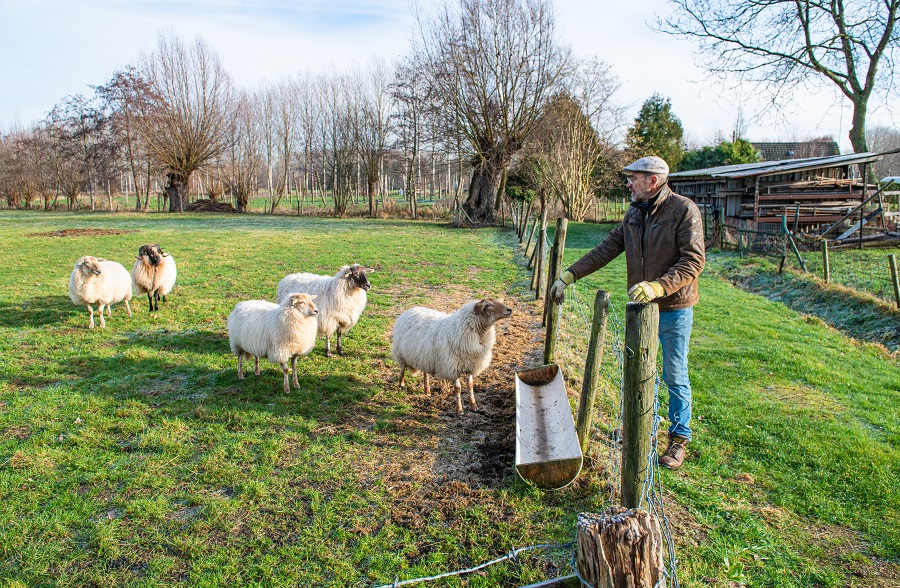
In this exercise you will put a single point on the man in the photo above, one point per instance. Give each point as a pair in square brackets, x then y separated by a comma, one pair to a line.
[662, 237]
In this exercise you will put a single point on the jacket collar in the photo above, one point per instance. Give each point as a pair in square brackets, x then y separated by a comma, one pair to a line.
[652, 205]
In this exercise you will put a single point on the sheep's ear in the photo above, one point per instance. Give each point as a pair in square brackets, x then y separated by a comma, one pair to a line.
[370, 270]
[101, 259]
[313, 296]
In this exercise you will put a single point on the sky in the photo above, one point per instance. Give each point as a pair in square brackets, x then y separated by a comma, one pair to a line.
[53, 48]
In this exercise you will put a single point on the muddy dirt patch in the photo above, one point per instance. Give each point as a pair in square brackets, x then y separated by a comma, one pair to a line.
[82, 232]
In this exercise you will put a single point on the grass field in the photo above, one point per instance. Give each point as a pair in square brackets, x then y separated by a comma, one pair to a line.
[132, 455]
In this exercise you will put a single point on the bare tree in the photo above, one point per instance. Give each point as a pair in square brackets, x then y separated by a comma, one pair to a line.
[127, 97]
[374, 124]
[784, 45]
[495, 63]
[189, 122]
[414, 96]
[338, 139]
[882, 139]
[77, 128]
[245, 160]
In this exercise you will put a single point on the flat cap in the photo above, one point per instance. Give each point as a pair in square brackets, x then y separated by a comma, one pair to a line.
[649, 165]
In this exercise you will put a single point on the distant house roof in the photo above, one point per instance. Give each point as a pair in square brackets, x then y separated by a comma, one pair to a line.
[796, 150]
[765, 168]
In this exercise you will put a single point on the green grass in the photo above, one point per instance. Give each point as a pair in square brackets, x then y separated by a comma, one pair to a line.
[132, 456]
[809, 414]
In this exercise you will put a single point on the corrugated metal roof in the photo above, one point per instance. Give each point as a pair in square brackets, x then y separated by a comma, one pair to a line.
[796, 149]
[765, 168]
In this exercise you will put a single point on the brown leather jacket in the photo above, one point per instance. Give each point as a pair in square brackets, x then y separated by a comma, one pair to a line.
[665, 244]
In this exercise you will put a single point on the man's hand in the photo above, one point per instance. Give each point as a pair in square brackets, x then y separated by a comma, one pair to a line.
[558, 289]
[646, 291]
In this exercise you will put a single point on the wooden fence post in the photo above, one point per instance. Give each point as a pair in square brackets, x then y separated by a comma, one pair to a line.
[531, 238]
[721, 229]
[540, 257]
[641, 342]
[551, 308]
[592, 370]
[892, 259]
[826, 262]
[622, 547]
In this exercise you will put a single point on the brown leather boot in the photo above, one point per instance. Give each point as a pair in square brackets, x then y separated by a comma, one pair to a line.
[674, 455]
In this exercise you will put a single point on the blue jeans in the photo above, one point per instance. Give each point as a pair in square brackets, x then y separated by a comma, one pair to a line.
[674, 336]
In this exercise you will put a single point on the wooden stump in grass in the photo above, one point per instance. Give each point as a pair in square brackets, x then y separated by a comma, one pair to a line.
[619, 548]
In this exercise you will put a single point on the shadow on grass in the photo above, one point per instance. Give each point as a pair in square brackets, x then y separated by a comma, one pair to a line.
[47, 310]
[158, 382]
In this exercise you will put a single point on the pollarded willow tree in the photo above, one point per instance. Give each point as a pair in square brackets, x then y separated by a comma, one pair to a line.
[189, 120]
[783, 45]
[494, 63]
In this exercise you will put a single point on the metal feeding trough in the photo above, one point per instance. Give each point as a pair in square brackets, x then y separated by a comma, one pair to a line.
[547, 450]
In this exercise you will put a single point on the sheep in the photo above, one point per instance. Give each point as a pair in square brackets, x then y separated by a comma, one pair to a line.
[342, 298]
[447, 345]
[276, 331]
[99, 281]
[153, 274]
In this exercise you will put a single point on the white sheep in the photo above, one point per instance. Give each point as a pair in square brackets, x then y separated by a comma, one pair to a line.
[278, 332]
[102, 282]
[153, 274]
[447, 345]
[342, 298]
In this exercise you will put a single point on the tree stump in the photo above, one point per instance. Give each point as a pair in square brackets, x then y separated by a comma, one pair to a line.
[622, 548]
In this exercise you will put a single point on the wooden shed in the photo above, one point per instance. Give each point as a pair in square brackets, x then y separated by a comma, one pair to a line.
[811, 193]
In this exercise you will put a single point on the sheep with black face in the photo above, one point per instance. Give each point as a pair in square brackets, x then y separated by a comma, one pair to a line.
[341, 299]
[153, 274]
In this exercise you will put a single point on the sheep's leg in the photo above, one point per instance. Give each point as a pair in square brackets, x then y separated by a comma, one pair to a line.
[287, 381]
[240, 365]
[128, 306]
[91, 312]
[340, 345]
[458, 387]
[427, 384]
[109, 310]
[327, 346]
[149, 302]
[156, 300]
[100, 309]
[472, 393]
[256, 365]
[402, 376]
[294, 369]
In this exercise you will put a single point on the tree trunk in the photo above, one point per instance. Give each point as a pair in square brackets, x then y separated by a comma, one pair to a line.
[858, 127]
[482, 201]
[177, 190]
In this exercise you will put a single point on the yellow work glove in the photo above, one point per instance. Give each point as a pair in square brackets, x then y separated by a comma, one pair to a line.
[558, 289]
[646, 291]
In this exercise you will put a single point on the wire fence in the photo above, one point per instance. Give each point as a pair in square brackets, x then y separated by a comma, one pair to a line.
[864, 270]
[576, 320]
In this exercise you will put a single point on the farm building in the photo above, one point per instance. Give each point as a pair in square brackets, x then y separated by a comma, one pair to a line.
[811, 193]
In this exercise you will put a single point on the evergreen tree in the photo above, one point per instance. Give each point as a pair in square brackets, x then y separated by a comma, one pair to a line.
[656, 131]
[725, 153]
